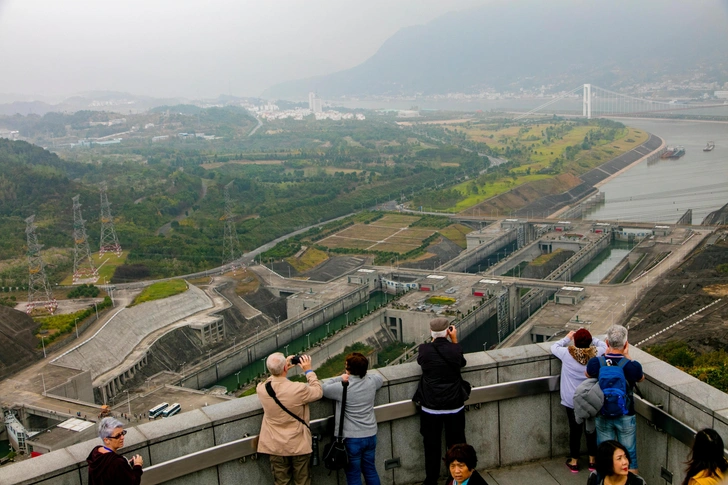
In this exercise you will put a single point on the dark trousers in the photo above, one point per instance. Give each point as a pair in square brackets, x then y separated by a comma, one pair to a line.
[431, 430]
[575, 430]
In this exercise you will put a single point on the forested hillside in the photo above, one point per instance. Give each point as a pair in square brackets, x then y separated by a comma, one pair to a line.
[167, 199]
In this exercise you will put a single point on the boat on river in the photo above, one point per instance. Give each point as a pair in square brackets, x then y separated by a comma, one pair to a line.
[673, 152]
[709, 146]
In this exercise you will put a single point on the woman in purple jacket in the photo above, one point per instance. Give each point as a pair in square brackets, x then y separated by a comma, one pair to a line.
[574, 357]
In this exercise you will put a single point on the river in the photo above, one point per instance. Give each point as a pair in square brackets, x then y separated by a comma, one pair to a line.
[662, 191]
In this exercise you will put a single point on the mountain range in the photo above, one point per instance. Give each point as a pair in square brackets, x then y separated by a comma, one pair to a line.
[508, 45]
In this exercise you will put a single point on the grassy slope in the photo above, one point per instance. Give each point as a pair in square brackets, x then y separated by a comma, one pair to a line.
[543, 157]
[456, 233]
[157, 291]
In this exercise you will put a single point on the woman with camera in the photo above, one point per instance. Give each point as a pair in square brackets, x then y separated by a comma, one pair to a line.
[574, 351]
[360, 424]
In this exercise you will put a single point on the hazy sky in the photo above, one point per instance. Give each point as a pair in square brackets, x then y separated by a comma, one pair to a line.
[192, 48]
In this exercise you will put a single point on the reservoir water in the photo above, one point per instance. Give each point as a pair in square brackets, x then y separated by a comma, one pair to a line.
[664, 190]
[658, 192]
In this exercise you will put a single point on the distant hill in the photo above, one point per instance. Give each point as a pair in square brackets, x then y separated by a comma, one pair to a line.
[508, 45]
[112, 101]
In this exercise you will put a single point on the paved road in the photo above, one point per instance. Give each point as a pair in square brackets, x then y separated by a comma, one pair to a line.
[245, 259]
[260, 123]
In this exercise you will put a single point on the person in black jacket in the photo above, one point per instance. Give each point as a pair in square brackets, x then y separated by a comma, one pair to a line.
[105, 466]
[440, 395]
[461, 459]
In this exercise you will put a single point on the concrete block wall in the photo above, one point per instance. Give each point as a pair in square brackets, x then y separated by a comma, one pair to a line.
[268, 343]
[567, 270]
[78, 387]
[471, 256]
[527, 253]
[504, 433]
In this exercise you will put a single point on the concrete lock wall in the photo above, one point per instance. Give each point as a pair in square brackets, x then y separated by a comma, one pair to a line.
[470, 257]
[78, 387]
[528, 253]
[254, 352]
[567, 270]
[495, 429]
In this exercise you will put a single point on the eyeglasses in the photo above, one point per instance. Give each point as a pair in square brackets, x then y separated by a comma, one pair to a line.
[117, 436]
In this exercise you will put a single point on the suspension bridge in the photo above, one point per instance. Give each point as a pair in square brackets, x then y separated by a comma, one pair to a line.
[602, 103]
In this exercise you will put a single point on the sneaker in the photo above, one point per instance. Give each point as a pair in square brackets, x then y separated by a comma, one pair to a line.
[573, 468]
[592, 466]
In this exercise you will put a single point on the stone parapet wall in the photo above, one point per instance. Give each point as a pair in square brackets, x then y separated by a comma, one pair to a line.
[504, 432]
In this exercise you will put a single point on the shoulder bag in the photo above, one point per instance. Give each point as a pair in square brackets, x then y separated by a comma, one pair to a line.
[272, 393]
[335, 455]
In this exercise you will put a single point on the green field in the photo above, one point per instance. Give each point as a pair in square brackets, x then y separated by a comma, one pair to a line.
[157, 291]
[491, 190]
[534, 152]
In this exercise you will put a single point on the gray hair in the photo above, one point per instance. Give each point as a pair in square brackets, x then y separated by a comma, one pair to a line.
[276, 363]
[107, 427]
[439, 334]
[617, 337]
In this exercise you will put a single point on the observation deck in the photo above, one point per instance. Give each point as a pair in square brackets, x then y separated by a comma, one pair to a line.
[514, 420]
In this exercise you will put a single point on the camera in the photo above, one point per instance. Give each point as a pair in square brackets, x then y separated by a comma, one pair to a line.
[295, 360]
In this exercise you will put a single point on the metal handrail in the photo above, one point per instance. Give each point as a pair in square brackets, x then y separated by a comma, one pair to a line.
[247, 446]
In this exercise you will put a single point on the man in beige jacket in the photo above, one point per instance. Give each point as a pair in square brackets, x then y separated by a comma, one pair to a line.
[286, 439]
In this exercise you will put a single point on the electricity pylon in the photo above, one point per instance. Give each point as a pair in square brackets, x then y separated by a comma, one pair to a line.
[83, 265]
[39, 291]
[230, 244]
[109, 242]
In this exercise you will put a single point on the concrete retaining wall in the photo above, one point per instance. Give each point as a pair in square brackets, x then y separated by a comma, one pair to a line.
[527, 253]
[78, 387]
[268, 343]
[468, 258]
[567, 270]
[497, 430]
[128, 327]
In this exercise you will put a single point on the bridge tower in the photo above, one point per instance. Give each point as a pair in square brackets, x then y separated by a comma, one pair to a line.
[230, 244]
[39, 291]
[83, 265]
[109, 242]
[587, 104]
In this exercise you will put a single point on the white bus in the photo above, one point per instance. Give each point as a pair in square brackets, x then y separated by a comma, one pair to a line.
[172, 410]
[157, 410]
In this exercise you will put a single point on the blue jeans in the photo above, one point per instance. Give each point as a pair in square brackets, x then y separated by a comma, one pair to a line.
[361, 460]
[622, 429]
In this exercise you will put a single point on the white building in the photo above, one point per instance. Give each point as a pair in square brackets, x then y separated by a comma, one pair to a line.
[315, 104]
